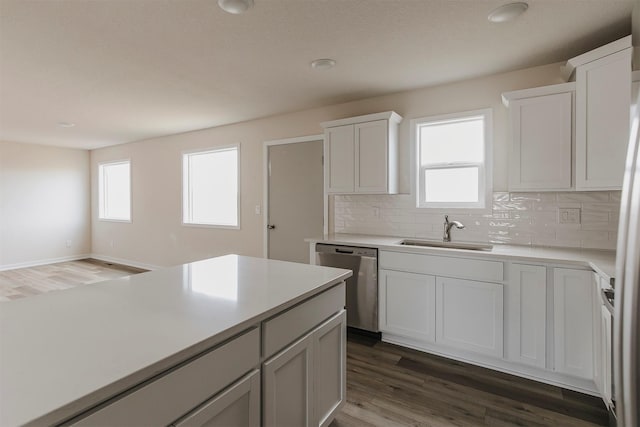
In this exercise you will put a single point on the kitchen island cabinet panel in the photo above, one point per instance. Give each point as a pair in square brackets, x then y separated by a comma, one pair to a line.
[288, 386]
[238, 406]
[171, 396]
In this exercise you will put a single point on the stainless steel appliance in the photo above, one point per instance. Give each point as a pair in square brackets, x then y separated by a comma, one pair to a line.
[362, 287]
[627, 285]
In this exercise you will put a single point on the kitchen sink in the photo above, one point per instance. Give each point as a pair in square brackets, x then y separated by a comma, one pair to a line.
[450, 245]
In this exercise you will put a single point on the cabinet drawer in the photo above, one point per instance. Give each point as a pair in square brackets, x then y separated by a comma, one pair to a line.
[172, 395]
[463, 268]
[292, 324]
[239, 406]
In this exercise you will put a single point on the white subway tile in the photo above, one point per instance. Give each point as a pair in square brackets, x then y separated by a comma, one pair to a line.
[584, 196]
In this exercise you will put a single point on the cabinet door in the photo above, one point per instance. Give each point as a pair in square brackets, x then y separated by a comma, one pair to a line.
[605, 351]
[330, 369]
[541, 142]
[407, 304]
[573, 322]
[470, 315]
[238, 406]
[288, 386]
[339, 159]
[527, 314]
[371, 150]
[602, 121]
[598, 344]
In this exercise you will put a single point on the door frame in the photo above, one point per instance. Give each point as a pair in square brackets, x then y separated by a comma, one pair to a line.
[265, 186]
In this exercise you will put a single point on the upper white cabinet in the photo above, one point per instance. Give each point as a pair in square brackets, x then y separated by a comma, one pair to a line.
[603, 99]
[361, 154]
[573, 322]
[541, 137]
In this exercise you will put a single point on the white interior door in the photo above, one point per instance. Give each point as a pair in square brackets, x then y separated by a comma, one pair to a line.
[295, 199]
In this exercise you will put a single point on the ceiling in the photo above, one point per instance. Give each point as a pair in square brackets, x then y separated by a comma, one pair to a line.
[134, 69]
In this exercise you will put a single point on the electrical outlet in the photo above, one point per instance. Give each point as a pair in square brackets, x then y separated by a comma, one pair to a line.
[257, 209]
[68, 243]
[376, 212]
[568, 215]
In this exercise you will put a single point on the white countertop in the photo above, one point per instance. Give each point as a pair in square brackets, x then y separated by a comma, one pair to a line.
[601, 261]
[65, 351]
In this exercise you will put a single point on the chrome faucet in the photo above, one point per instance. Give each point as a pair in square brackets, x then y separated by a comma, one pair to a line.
[447, 228]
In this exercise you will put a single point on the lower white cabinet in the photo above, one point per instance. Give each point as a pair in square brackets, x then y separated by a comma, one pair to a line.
[238, 406]
[288, 386]
[526, 311]
[330, 369]
[408, 304]
[573, 322]
[605, 355]
[469, 315]
[304, 383]
[179, 391]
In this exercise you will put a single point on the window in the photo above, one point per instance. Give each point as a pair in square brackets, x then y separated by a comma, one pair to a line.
[210, 187]
[114, 191]
[452, 155]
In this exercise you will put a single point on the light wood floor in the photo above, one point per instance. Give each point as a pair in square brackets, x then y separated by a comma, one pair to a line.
[389, 386]
[24, 282]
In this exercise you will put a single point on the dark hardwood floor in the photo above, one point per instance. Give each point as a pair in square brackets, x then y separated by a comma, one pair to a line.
[388, 385]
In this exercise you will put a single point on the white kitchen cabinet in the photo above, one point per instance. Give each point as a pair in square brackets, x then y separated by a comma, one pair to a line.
[238, 406]
[176, 393]
[330, 369]
[304, 383]
[598, 363]
[602, 344]
[469, 315]
[602, 120]
[527, 314]
[361, 154]
[340, 159]
[288, 386]
[573, 322]
[605, 351]
[408, 304]
[541, 122]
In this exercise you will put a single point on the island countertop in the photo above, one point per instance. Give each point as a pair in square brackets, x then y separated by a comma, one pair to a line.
[62, 352]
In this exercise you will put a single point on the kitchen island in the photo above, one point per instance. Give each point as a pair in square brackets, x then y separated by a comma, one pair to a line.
[169, 345]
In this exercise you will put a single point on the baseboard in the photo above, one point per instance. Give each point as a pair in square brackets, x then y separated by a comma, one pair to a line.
[43, 262]
[127, 262]
[544, 376]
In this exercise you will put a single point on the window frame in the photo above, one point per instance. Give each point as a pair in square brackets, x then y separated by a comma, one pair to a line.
[102, 193]
[186, 188]
[485, 171]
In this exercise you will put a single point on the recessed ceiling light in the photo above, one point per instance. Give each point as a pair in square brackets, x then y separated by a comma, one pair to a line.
[235, 6]
[323, 64]
[507, 12]
[66, 124]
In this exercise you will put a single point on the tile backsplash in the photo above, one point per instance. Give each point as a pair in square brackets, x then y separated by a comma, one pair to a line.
[515, 218]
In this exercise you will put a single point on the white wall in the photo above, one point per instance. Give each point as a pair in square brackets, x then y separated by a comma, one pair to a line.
[156, 235]
[44, 202]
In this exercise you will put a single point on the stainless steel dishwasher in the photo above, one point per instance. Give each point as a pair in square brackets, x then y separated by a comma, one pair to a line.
[362, 287]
